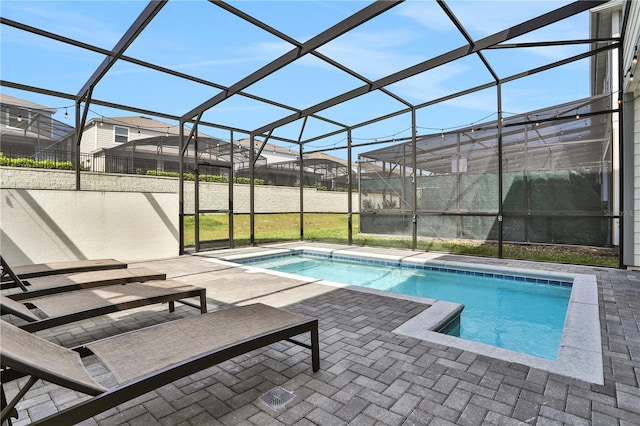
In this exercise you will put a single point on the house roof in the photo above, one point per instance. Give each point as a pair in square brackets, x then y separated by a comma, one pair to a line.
[142, 122]
[293, 152]
[22, 103]
[138, 121]
[246, 143]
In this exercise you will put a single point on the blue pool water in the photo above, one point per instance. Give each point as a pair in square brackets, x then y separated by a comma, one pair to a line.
[512, 312]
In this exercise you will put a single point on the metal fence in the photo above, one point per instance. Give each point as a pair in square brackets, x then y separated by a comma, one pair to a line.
[51, 155]
[57, 159]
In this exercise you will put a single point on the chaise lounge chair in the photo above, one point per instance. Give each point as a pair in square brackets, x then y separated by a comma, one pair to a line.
[42, 286]
[55, 268]
[64, 308]
[146, 359]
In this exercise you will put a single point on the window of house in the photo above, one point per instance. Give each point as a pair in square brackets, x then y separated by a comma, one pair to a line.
[4, 116]
[121, 134]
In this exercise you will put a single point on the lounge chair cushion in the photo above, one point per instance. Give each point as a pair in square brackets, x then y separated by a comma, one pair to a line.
[66, 267]
[33, 355]
[93, 298]
[170, 343]
[122, 275]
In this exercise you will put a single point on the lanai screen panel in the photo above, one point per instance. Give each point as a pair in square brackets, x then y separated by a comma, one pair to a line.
[456, 185]
[557, 176]
[554, 166]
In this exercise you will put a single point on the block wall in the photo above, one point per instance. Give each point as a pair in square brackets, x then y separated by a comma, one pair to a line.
[273, 199]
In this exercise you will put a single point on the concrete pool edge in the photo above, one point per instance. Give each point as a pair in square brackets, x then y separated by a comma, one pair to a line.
[580, 351]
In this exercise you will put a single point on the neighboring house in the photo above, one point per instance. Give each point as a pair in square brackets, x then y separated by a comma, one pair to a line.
[29, 130]
[136, 145]
[106, 141]
[105, 133]
[139, 144]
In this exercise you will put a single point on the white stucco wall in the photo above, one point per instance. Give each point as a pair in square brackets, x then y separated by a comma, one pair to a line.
[127, 217]
[55, 225]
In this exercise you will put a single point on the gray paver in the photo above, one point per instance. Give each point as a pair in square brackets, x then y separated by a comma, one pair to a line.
[352, 408]
[473, 415]
[458, 399]
[369, 375]
[562, 416]
[405, 404]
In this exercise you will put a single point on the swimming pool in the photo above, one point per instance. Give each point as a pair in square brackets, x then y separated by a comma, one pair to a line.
[516, 312]
[580, 352]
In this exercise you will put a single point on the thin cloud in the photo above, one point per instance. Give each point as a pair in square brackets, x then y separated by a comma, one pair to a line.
[427, 14]
[71, 22]
[496, 16]
[431, 85]
[258, 53]
[373, 54]
[483, 21]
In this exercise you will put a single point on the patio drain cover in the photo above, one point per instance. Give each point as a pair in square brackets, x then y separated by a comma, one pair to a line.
[276, 398]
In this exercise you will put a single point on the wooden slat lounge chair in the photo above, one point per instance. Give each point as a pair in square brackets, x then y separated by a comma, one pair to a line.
[64, 308]
[55, 268]
[146, 359]
[42, 286]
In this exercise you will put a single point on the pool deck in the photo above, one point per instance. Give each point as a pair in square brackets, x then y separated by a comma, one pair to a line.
[372, 373]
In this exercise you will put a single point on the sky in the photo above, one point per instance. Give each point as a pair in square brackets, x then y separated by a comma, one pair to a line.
[201, 39]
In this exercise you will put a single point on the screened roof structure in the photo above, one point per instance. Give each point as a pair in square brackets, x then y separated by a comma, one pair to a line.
[328, 76]
[301, 103]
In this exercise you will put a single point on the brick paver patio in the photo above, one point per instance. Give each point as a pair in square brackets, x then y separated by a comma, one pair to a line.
[369, 375]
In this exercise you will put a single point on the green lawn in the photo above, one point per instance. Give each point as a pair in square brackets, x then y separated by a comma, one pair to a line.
[333, 228]
[271, 227]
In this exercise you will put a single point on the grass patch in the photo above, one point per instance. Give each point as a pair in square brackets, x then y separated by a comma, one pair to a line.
[334, 228]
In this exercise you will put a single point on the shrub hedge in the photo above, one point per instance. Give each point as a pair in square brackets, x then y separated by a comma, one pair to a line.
[205, 178]
[35, 164]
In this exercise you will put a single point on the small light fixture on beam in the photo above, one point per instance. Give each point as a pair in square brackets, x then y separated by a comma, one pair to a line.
[66, 113]
[629, 73]
[635, 56]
